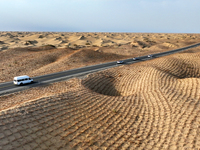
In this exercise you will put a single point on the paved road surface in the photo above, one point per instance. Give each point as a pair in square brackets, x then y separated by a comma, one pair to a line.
[8, 87]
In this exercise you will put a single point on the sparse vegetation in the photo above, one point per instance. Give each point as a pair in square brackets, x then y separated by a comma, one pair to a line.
[114, 111]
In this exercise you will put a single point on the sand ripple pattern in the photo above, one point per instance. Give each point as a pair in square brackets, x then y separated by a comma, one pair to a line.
[154, 105]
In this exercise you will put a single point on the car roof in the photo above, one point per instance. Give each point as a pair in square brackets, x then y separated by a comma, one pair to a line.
[21, 77]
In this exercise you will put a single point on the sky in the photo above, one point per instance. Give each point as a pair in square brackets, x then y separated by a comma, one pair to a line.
[152, 16]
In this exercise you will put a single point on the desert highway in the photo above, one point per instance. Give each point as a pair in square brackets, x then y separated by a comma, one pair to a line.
[9, 87]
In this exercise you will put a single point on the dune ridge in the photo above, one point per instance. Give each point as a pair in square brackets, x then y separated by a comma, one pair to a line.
[39, 53]
[150, 105]
[83, 39]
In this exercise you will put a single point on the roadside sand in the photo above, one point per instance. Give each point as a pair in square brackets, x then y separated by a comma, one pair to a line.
[42, 53]
[148, 105]
[152, 105]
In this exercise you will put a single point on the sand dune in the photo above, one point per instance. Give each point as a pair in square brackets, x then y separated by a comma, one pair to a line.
[48, 59]
[150, 105]
[80, 40]
[76, 59]
[41, 53]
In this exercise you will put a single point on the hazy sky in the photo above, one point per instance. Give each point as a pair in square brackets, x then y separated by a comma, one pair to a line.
[169, 16]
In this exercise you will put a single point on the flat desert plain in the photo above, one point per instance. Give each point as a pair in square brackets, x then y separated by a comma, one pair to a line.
[147, 105]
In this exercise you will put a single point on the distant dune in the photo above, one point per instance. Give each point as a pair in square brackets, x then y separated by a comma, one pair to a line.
[80, 40]
[147, 105]
[38, 53]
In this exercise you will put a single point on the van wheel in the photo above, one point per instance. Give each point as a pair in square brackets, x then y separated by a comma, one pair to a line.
[21, 84]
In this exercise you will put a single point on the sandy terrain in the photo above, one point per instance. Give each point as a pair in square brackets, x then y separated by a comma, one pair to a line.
[81, 40]
[148, 105]
[37, 54]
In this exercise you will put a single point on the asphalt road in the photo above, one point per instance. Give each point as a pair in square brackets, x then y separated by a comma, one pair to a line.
[9, 87]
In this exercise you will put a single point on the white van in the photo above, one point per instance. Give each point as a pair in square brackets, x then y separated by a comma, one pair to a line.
[20, 80]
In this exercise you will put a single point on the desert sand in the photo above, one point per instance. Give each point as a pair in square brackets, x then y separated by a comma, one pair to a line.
[80, 40]
[35, 53]
[147, 105]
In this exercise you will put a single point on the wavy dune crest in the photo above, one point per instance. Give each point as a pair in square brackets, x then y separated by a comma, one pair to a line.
[151, 105]
[79, 40]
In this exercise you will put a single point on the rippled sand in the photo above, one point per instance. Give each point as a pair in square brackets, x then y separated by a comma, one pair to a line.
[150, 105]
